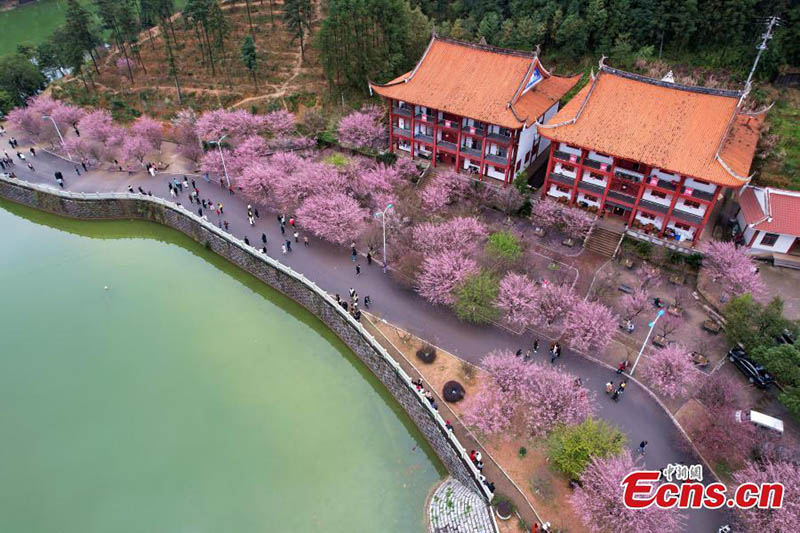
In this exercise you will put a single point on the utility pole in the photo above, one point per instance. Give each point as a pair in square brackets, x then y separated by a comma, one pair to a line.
[773, 21]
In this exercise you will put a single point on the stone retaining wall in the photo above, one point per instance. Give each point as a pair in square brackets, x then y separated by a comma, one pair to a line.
[96, 206]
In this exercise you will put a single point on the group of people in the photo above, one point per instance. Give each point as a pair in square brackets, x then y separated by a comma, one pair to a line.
[616, 392]
[527, 356]
[352, 306]
[425, 393]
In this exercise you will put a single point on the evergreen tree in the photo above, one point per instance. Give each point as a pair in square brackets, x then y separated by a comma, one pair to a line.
[80, 30]
[297, 16]
[249, 58]
[19, 78]
[489, 28]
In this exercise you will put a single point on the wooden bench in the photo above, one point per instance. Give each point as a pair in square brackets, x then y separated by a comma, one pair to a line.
[627, 289]
[660, 341]
[712, 326]
[676, 279]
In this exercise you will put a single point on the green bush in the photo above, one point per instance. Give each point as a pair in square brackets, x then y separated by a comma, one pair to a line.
[695, 261]
[336, 159]
[475, 298]
[387, 158]
[503, 246]
[642, 248]
[570, 448]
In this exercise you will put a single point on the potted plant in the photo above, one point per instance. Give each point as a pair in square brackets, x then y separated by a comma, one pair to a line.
[504, 508]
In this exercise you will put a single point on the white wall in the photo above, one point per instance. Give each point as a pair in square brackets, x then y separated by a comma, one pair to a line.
[492, 172]
[709, 187]
[526, 139]
[686, 235]
[587, 177]
[560, 169]
[584, 198]
[563, 147]
[657, 221]
[555, 193]
[648, 195]
[699, 211]
[781, 246]
[471, 163]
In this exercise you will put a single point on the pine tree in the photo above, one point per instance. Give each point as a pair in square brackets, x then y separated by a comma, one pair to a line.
[79, 29]
[297, 16]
[249, 58]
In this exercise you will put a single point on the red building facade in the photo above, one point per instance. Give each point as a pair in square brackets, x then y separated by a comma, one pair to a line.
[654, 153]
[473, 107]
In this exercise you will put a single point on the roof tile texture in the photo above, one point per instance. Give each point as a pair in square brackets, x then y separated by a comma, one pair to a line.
[784, 208]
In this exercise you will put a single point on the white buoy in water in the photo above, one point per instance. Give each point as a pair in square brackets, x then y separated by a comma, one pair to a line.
[105, 288]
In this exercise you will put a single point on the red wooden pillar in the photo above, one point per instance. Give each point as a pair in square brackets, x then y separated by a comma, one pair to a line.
[636, 203]
[578, 174]
[710, 208]
[391, 124]
[546, 183]
[413, 138]
[609, 176]
[458, 144]
[483, 151]
[672, 205]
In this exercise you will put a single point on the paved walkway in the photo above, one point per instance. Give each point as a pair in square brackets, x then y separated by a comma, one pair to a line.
[454, 508]
[637, 414]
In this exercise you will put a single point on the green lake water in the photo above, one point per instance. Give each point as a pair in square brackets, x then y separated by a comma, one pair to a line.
[187, 397]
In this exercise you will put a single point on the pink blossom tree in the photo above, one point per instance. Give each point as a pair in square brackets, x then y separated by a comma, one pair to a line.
[572, 221]
[517, 299]
[589, 325]
[184, 131]
[732, 267]
[546, 213]
[99, 126]
[599, 503]
[254, 182]
[26, 119]
[577, 222]
[784, 518]
[525, 399]
[443, 272]
[362, 129]
[135, 148]
[406, 167]
[335, 217]
[670, 370]
[249, 150]
[648, 276]
[285, 143]
[279, 123]
[290, 187]
[236, 124]
[381, 178]
[552, 303]
[634, 303]
[149, 129]
[211, 162]
[444, 189]
[464, 233]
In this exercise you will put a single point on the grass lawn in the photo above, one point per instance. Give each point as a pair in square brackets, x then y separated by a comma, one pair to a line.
[32, 23]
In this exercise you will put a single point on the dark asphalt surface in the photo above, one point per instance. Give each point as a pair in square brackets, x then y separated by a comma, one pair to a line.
[637, 414]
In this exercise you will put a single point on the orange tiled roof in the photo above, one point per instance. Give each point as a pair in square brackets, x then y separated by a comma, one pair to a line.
[673, 127]
[478, 82]
[783, 210]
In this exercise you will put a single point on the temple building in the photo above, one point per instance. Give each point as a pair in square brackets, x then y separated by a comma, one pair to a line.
[473, 107]
[769, 220]
[655, 153]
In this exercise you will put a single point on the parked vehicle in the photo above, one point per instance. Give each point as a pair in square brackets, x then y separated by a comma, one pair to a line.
[755, 373]
[761, 420]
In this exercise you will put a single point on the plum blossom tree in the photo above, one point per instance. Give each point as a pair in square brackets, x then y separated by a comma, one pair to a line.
[135, 148]
[577, 222]
[526, 399]
[184, 129]
[285, 143]
[463, 233]
[546, 213]
[732, 268]
[648, 276]
[362, 129]
[671, 370]
[381, 178]
[149, 129]
[444, 189]
[26, 119]
[589, 325]
[517, 299]
[254, 182]
[599, 503]
[785, 518]
[574, 222]
[236, 124]
[335, 217]
[279, 123]
[406, 167]
[634, 303]
[309, 178]
[99, 126]
[443, 272]
[552, 303]
[249, 150]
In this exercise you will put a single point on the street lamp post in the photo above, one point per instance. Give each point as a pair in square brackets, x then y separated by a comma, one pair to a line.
[59, 133]
[382, 216]
[652, 325]
[218, 142]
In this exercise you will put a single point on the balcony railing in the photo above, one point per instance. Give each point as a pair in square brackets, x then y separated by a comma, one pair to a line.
[593, 187]
[421, 137]
[474, 152]
[497, 159]
[653, 206]
[687, 217]
[479, 132]
[428, 119]
[622, 196]
[628, 174]
[565, 156]
[596, 164]
[701, 195]
[447, 145]
[452, 124]
[404, 111]
[666, 184]
[562, 178]
[499, 137]
[403, 132]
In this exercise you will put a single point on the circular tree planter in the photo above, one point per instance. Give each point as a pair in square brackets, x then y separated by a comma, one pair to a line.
[427, 354]
[453, 392]
[504, 510]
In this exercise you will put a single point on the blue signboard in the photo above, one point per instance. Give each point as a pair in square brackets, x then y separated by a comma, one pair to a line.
[536, 77]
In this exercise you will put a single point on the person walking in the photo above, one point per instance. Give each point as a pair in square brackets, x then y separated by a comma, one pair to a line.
[247, 241]
[367, 301]
[83, 164]
[291, 221]
[288, 245]
[225, 223]
[358, 269]
[283, 229]
[200, 211]
[352, 292]
[296, 237]
[255, 210]
[353, 251]
[33, 151]
[642, 446]
[622, 366]
[252, 221]
[283, 248]
[194, 185]
[305, 241]
[536, 346]
[369, 257]
[30, 166]
[264, 250]
[264, 238]
[221, 210]
[609, 387]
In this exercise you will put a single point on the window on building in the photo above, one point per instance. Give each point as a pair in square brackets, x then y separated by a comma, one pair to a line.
[769, 239]
[658, 194]
[527, 157]
[519, 164]
[684, 227]
[646, 216]
[563, 189]
[693, 205]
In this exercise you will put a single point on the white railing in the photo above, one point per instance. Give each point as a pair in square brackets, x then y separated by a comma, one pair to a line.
[352, 322]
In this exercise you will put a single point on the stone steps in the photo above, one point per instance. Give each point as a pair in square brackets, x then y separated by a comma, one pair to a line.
[603, 241]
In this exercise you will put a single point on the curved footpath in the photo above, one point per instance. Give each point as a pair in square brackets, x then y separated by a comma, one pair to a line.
[638, 415]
